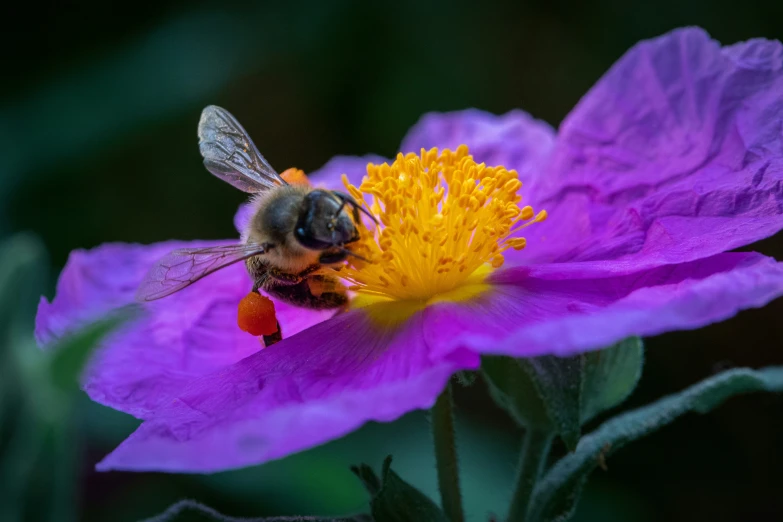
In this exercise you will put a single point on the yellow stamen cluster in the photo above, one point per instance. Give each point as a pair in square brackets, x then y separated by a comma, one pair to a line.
[443, 217]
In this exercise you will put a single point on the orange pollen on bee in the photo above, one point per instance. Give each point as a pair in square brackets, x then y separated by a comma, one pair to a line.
[445, 223]
[294, 176]
[256, 315]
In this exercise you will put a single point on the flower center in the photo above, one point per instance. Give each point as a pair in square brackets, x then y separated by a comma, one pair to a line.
[445, 222]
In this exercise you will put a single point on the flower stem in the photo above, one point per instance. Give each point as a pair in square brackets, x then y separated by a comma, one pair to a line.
[535, 449]
[446, 456]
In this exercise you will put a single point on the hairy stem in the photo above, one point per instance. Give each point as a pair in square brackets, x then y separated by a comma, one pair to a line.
[446, 456]
[535, 449]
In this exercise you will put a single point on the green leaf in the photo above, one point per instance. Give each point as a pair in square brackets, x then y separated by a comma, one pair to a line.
[192, 511]
[394, 499]
[71, 354]
[555, 496]
[609, 376]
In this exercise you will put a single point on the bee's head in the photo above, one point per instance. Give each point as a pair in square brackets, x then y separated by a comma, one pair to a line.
[326, 220]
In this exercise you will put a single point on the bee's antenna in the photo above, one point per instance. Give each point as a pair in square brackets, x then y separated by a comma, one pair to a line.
[340, 209]
[348, 252]
[345, 198]
[366, 213]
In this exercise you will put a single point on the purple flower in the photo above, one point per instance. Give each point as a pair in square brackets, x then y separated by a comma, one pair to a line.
[672, 159]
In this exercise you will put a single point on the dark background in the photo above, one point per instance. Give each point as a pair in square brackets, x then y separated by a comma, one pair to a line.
[98, 112]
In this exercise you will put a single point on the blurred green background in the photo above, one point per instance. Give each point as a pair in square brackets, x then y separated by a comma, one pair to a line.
[98, 114]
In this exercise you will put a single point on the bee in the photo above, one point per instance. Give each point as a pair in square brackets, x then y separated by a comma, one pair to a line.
[293, 232]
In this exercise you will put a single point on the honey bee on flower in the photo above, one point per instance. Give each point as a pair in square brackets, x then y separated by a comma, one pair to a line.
[294, 231]
[668, 163]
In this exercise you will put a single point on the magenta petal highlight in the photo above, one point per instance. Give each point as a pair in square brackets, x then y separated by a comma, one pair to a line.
[564, 309]
[303, 391]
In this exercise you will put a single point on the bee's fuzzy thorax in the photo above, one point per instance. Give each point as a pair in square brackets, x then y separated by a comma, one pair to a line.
[282, 204]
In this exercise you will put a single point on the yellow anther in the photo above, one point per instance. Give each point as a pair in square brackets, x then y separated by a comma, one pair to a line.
[512, 185]
[517, 243]
[443, 216]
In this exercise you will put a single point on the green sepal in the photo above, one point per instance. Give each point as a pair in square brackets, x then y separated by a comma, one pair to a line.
[394, 500]
[556, 494]
[192, 511]
[609, 376]
[558, 381]
[559, 394]
[512, 388]
[466, 378]
[369, 479]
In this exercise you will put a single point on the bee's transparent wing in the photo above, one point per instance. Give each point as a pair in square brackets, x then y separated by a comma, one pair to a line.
[230, 154]
[181, 268]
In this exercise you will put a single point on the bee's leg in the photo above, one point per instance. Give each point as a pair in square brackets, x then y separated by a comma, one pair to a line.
[316, 292]
[276, 337]
[309, 270]
[282, 278]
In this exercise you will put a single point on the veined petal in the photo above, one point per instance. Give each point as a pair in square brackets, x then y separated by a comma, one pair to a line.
[564, 309]
[188, 334]
[300, 392]
[675, 154]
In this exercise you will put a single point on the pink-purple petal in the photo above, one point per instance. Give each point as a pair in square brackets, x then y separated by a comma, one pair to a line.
[354, 167]
[95, 282]
[564, 309]
[188, 334]
[674, 155]
[303, 391]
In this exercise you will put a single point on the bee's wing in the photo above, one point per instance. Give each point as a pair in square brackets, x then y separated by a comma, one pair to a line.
[181, 268]
[230, 154]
